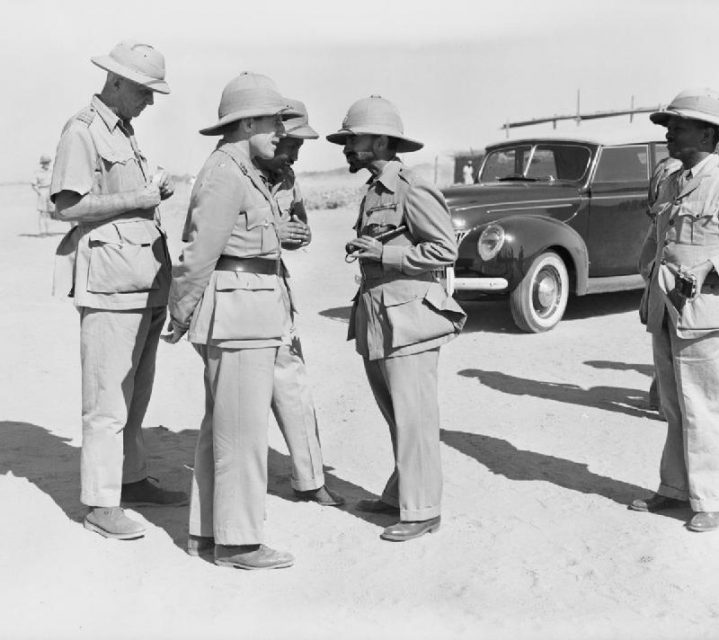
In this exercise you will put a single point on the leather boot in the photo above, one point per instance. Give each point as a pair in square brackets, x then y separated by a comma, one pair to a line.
[111, 522]
[405, 530]
[251, 556]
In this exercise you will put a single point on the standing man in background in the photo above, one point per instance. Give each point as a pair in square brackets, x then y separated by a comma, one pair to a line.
[41, 186]
[401, 314]
[115, 265]
[680, 307]
[292, 403]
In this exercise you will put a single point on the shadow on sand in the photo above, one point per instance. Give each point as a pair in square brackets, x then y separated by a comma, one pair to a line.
[53, 465]
[503, 458]
[632, 402]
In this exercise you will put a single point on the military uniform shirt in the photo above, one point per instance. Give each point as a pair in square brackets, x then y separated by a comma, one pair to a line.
[122, 262]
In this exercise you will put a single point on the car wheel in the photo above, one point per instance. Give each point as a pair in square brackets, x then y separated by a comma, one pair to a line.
[538, 303]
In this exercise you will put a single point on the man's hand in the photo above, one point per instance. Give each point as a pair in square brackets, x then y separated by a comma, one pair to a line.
[164, 183]
[174, 333]
[367, 248]
[149, 197]
[294, 233]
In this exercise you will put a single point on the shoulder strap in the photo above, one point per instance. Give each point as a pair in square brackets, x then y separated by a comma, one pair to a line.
[86, 115]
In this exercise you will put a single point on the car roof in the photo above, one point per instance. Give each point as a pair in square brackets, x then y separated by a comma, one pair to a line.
[614, 135]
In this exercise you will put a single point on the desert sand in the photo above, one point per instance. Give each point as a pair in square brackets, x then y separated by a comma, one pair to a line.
[545, 440]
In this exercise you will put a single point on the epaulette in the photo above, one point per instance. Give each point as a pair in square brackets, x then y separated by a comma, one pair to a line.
[86, 115]
[406, 174]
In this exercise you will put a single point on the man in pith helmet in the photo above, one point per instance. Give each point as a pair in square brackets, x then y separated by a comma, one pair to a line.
[401, 313]
[292, 402]
[228, 295]
[680, 307]
[41, 186]
[114, 264]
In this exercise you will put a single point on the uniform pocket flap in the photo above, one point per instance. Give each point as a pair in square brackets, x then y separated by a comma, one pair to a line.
[106, 234]
[134, 233]
[238, 280]
[259, 217]
[112, 154]
[437, 297]
[393, 296]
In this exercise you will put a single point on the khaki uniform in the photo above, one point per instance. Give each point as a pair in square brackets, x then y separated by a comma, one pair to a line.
[41, 183]
[685, 231]
[400, 317]
[118, 273]
[292, 403]
[236, 321]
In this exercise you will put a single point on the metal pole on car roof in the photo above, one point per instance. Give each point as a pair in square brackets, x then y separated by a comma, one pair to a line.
[579, 117]
[631, 110]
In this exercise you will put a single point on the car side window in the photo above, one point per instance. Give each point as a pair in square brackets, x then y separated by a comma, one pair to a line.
[505, 163]
[559, 162]
[623, 164]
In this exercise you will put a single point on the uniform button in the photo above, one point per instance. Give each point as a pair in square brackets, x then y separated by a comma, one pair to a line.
[666, 242]
[671, 222]
[663, 261]
[267, 224]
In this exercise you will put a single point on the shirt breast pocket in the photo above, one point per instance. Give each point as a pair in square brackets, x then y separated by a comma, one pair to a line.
[697, 225]
[124, 258]
[117, 167]
[380, 218]
[260, 226]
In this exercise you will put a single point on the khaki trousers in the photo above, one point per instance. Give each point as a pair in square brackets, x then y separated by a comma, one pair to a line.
[688, 381]
[294, 411]
[229, 484]
[117, 355]
[405, 389]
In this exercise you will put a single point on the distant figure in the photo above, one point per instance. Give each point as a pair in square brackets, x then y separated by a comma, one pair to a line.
[41, 186]
[468, 173]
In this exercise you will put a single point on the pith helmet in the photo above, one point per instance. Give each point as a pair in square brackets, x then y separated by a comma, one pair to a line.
[298, 126]
[696, 104]
[45, 159]
[377, 116]
[249, 95]
[138, 62]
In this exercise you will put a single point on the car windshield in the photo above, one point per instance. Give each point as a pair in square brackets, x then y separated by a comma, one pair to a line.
[545, 162]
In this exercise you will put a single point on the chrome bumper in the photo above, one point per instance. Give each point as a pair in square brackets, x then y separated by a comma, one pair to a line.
[473, 284]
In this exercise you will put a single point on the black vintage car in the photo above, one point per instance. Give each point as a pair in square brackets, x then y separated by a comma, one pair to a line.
[554, 215]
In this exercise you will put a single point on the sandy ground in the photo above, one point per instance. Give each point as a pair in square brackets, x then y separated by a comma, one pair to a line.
[545, 439]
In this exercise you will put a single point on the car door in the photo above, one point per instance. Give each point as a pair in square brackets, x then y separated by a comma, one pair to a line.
[617, 211]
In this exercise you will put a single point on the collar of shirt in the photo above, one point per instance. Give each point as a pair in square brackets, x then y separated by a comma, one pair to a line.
[109, 117]
[697, 168]
[389, 176]
[277, 180]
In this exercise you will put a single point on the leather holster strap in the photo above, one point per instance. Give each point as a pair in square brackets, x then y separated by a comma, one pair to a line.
[267, 266]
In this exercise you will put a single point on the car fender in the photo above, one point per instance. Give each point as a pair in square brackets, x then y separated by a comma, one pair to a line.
[528, 236]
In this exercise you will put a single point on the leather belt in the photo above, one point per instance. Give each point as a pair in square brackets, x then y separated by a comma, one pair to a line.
[267, 266]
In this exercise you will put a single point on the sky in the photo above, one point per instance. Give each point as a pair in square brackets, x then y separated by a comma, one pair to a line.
[456, 69]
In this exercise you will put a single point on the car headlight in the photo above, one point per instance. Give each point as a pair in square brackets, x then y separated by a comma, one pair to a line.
[490, 242]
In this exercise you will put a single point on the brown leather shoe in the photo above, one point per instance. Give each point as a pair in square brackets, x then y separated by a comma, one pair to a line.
[322, 496]
[111, 522]
[704, 521]
[200, 545]
[657, 503]
[251, 556]
[376, 506]
[405, 530]
[145, 494]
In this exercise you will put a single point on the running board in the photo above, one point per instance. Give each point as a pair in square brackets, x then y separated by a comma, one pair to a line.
[614, 283]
